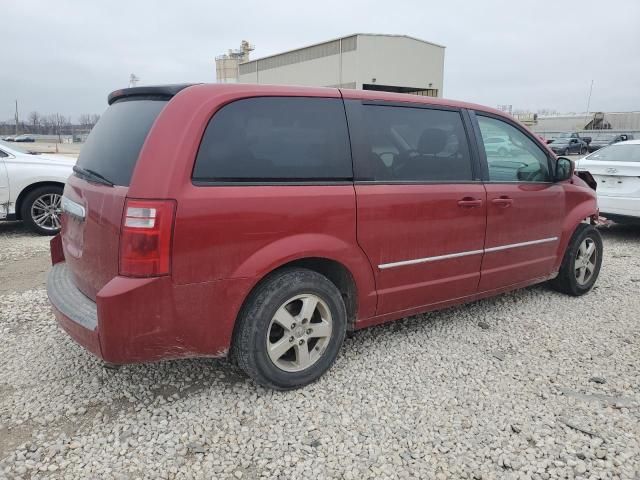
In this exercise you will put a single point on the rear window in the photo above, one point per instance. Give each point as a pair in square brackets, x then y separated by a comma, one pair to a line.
[617, 153]
[115, 142]
[276, 139]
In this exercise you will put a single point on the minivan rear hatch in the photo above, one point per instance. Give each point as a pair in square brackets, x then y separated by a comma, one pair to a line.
[95, 194]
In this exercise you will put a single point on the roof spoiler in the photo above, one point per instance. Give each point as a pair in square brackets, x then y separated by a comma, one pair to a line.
[154, 91]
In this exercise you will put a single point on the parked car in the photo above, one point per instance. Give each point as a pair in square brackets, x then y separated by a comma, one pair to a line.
[604, 139]
[498, 146]
[10, 138]
[616, 169]
[567, 146]
[31, 187]
[261, 222]
[570, 135]
[24, 139]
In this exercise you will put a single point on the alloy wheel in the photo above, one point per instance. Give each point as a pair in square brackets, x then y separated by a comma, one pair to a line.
[46, 211]
[299, 333]
[585, 262]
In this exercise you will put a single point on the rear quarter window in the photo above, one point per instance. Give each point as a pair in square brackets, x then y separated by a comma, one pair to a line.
[617, 153]
[276, 139]
[114, 144]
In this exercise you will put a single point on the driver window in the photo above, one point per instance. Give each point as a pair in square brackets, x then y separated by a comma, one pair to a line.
[511, 155]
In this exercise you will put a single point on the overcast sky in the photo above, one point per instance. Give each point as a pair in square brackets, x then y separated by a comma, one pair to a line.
[66, 56]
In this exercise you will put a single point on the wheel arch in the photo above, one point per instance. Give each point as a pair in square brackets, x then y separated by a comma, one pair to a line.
[339, 275]
[30, 188]
[323, 253]
[335, 271]
[585, 211]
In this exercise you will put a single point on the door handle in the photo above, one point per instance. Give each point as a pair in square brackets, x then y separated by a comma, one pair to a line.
[503, 201]
[469, 202]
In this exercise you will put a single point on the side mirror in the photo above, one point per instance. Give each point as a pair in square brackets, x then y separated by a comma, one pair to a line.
[564, 169]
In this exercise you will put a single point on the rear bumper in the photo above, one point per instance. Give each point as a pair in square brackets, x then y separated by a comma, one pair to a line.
[621, 206]
[75, 313]
[136, 320]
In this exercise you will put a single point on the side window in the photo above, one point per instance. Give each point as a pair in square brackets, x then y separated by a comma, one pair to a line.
[2, 154]
[515, 157]
[414, 144]
[276, 139]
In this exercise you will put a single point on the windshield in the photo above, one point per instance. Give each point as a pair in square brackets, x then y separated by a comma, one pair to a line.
[617, 153]
[113, 146]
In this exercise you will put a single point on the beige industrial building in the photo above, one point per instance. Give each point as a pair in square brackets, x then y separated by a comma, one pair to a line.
[227, 64]
[614, 121]
[395, 63]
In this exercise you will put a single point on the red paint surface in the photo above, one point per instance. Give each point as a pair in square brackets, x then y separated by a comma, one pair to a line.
[404, 222]
[226, 239]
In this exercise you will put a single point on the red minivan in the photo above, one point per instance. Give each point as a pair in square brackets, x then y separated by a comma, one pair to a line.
[263, 222]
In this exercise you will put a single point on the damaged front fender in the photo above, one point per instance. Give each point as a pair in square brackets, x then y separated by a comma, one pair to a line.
[587, 178]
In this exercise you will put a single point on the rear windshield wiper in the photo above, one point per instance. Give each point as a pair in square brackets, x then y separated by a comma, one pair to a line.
[92, 176]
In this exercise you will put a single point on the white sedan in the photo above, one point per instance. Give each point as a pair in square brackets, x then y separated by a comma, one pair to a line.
[31, 187]
[616, 168]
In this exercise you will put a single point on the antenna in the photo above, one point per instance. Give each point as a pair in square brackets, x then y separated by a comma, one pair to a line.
[133, 80]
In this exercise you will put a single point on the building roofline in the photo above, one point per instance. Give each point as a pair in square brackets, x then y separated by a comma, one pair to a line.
[342, 38]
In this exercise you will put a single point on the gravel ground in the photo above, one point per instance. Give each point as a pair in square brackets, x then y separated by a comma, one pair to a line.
[532, 384]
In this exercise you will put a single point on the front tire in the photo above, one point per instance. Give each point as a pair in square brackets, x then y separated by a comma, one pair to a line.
[290, 329]
[581, 263]
[41, 209]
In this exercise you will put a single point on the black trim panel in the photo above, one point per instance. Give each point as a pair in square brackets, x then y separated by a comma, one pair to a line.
[68, 300]
[155, 92]
[268, 183]
[417, 182]
[428, 106]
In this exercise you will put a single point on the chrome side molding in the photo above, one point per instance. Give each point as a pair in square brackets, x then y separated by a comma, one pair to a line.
[429, 259]
[464, 254]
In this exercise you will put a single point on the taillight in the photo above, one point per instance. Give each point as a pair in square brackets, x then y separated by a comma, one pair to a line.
[145, 240]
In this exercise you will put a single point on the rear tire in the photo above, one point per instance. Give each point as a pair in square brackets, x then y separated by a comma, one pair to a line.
[581, 265]
[290, 329]
[41, 209]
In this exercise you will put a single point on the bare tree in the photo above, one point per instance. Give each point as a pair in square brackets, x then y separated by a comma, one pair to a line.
[88, 120]
[59, 123]
[83, 120]
[48, 123]
[34, 121]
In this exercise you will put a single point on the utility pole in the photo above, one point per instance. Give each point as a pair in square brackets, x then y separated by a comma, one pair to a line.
[16, 118]
[588, 103]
